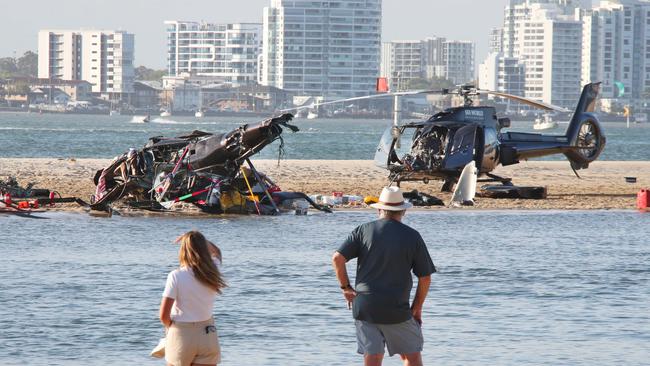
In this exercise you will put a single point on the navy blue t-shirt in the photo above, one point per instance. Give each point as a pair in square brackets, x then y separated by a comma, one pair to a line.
[386, 251]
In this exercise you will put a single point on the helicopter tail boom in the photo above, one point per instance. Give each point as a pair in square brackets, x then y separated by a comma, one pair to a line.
[581, 144]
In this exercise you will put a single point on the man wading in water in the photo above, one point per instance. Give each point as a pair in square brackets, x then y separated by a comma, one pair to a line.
[386, 251]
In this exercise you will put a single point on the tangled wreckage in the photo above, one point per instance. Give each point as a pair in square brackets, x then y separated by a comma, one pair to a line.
[201, 168]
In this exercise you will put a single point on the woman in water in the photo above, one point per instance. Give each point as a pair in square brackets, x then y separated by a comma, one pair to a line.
[186, 307]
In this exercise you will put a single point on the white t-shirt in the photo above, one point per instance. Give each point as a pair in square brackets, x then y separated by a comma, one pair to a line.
[193, 300]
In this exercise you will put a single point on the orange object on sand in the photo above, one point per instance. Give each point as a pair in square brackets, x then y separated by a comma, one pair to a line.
[643, 200]
[23, 205]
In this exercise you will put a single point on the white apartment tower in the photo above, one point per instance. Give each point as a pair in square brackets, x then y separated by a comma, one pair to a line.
[228, 51]
[496, 41]
[517, 12]
[322, 48]
[402, 62]
[103, 58]
[616, 41]
[503, 74]
[546, 38]
[435, 47]
[458, 61]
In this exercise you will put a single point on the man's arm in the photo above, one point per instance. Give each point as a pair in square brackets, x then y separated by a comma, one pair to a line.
[338, 262]
[420, 296]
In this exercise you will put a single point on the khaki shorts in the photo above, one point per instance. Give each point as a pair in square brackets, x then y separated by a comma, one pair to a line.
[189, 343]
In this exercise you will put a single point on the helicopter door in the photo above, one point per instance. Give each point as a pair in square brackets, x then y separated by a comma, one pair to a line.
[461, 150]
[383, 149]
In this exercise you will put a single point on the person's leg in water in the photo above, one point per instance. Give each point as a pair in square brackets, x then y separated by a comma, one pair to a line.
[373, 360]
[412, 359]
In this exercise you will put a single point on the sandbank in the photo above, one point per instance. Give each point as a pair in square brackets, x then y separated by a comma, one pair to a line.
[602, 186]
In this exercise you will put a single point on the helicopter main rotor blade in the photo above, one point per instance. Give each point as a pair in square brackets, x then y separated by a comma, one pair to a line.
[366, 97]
[530, 102]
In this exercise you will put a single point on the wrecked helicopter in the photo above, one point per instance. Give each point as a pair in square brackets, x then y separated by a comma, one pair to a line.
[203, 169]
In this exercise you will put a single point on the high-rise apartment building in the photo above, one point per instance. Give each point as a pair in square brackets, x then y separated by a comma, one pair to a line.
[545, 36]
[495, 44]
[458, 61]
[517, 12]
[435, 48]
[228, 51]
[103, 58]
[503, 74]
[324, 48]
[616, 48]
[403, 61]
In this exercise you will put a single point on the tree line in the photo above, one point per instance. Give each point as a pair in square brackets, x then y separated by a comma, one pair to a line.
[24, 66]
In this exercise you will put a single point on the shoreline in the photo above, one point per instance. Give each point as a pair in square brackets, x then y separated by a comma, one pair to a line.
[603, 186]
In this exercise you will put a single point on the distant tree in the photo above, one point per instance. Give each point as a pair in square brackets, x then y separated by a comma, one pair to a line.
[417, 84]
[8, 67]
[20, 88]
[435, 83]
[145, 73]
[27, 64]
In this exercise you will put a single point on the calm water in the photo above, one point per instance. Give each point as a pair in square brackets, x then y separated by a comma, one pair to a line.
[555, 288]
[91, 136]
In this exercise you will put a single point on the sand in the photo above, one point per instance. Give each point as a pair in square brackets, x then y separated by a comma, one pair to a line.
[602, 186]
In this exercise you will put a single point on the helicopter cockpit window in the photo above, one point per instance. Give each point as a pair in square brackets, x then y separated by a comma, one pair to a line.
[491, 136]
[383, 152]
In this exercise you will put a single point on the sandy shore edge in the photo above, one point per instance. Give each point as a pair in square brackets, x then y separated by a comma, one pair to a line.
[602, 186]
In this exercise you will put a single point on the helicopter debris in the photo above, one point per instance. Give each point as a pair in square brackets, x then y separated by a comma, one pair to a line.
[466, 187]
[513, 192]
[201, 169]
[13, 195]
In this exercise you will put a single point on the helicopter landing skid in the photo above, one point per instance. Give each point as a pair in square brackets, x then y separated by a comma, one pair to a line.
[495, 178]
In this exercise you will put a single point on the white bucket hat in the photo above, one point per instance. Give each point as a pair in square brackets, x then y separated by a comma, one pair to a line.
[391, 199]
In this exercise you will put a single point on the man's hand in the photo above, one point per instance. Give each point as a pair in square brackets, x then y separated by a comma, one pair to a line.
[349, 295]
[420, 294]
[417, 314]
[338, 262]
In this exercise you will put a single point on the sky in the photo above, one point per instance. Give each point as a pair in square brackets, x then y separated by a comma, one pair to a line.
[402, 19]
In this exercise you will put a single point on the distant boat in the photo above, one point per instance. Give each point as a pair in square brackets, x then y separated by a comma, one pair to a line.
[544, 123]
[199, 114]
[641, 118]
[165, 114]
[114, 113]
[141, 119]
[312, 115]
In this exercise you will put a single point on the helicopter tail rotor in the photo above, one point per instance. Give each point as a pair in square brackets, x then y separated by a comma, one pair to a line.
[585, 134]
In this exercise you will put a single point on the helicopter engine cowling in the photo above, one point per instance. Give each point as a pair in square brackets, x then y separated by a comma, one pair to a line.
[587, 142]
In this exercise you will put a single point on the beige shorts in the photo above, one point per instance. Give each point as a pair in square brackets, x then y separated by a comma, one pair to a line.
[189, 343]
